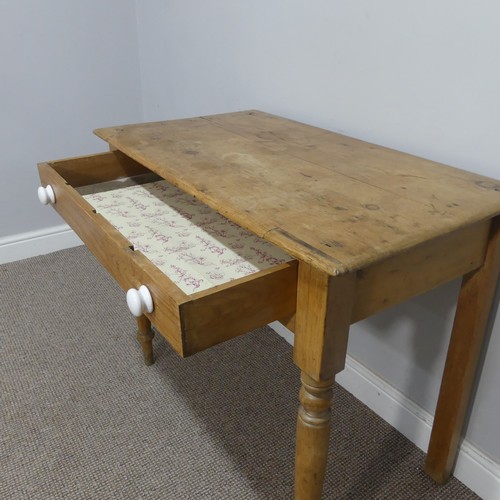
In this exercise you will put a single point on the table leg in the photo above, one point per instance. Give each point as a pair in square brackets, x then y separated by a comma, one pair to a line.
[145, 337]
[313, 432]
[474, 303]
[324, 308]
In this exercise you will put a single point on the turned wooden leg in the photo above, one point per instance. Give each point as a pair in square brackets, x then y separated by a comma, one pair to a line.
[145, 337]
[313, 431]
[474, 303]
[324, 308]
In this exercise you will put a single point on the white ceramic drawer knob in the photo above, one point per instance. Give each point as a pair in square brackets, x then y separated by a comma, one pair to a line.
[139, 301]
[46, 195]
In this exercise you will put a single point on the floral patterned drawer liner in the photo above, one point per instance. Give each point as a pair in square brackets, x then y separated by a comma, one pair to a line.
[195, 246]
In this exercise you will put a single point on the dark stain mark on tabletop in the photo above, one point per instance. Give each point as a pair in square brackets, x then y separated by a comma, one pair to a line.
[315, 251]
[489, 185]
[333, 244]
[266, 135]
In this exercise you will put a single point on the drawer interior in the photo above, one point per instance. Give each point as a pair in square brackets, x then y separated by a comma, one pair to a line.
[195, 246]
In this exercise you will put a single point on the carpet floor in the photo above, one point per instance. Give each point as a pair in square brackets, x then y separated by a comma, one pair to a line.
[82, 417]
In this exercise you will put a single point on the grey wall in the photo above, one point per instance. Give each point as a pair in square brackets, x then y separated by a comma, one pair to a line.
[67, 67]
[421, 77]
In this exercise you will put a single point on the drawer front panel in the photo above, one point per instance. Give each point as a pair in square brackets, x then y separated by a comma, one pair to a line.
[255, 301]
[189, 322]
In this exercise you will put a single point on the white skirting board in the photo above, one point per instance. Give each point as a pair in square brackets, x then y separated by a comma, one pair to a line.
[33, 243]
[474, 469]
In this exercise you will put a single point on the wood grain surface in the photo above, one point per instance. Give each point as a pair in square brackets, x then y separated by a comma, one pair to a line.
[325, 198]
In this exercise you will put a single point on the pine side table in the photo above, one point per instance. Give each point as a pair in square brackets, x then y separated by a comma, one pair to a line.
[364, 227]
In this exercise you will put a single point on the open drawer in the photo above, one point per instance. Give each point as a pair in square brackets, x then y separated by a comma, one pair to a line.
[123, 213]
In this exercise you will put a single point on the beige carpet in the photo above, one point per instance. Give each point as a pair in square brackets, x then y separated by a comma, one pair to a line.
[82, 417]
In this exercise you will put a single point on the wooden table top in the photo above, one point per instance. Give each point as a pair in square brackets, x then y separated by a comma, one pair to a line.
[327, 199]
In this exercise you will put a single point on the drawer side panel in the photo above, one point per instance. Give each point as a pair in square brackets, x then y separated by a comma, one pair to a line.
[129, 268]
